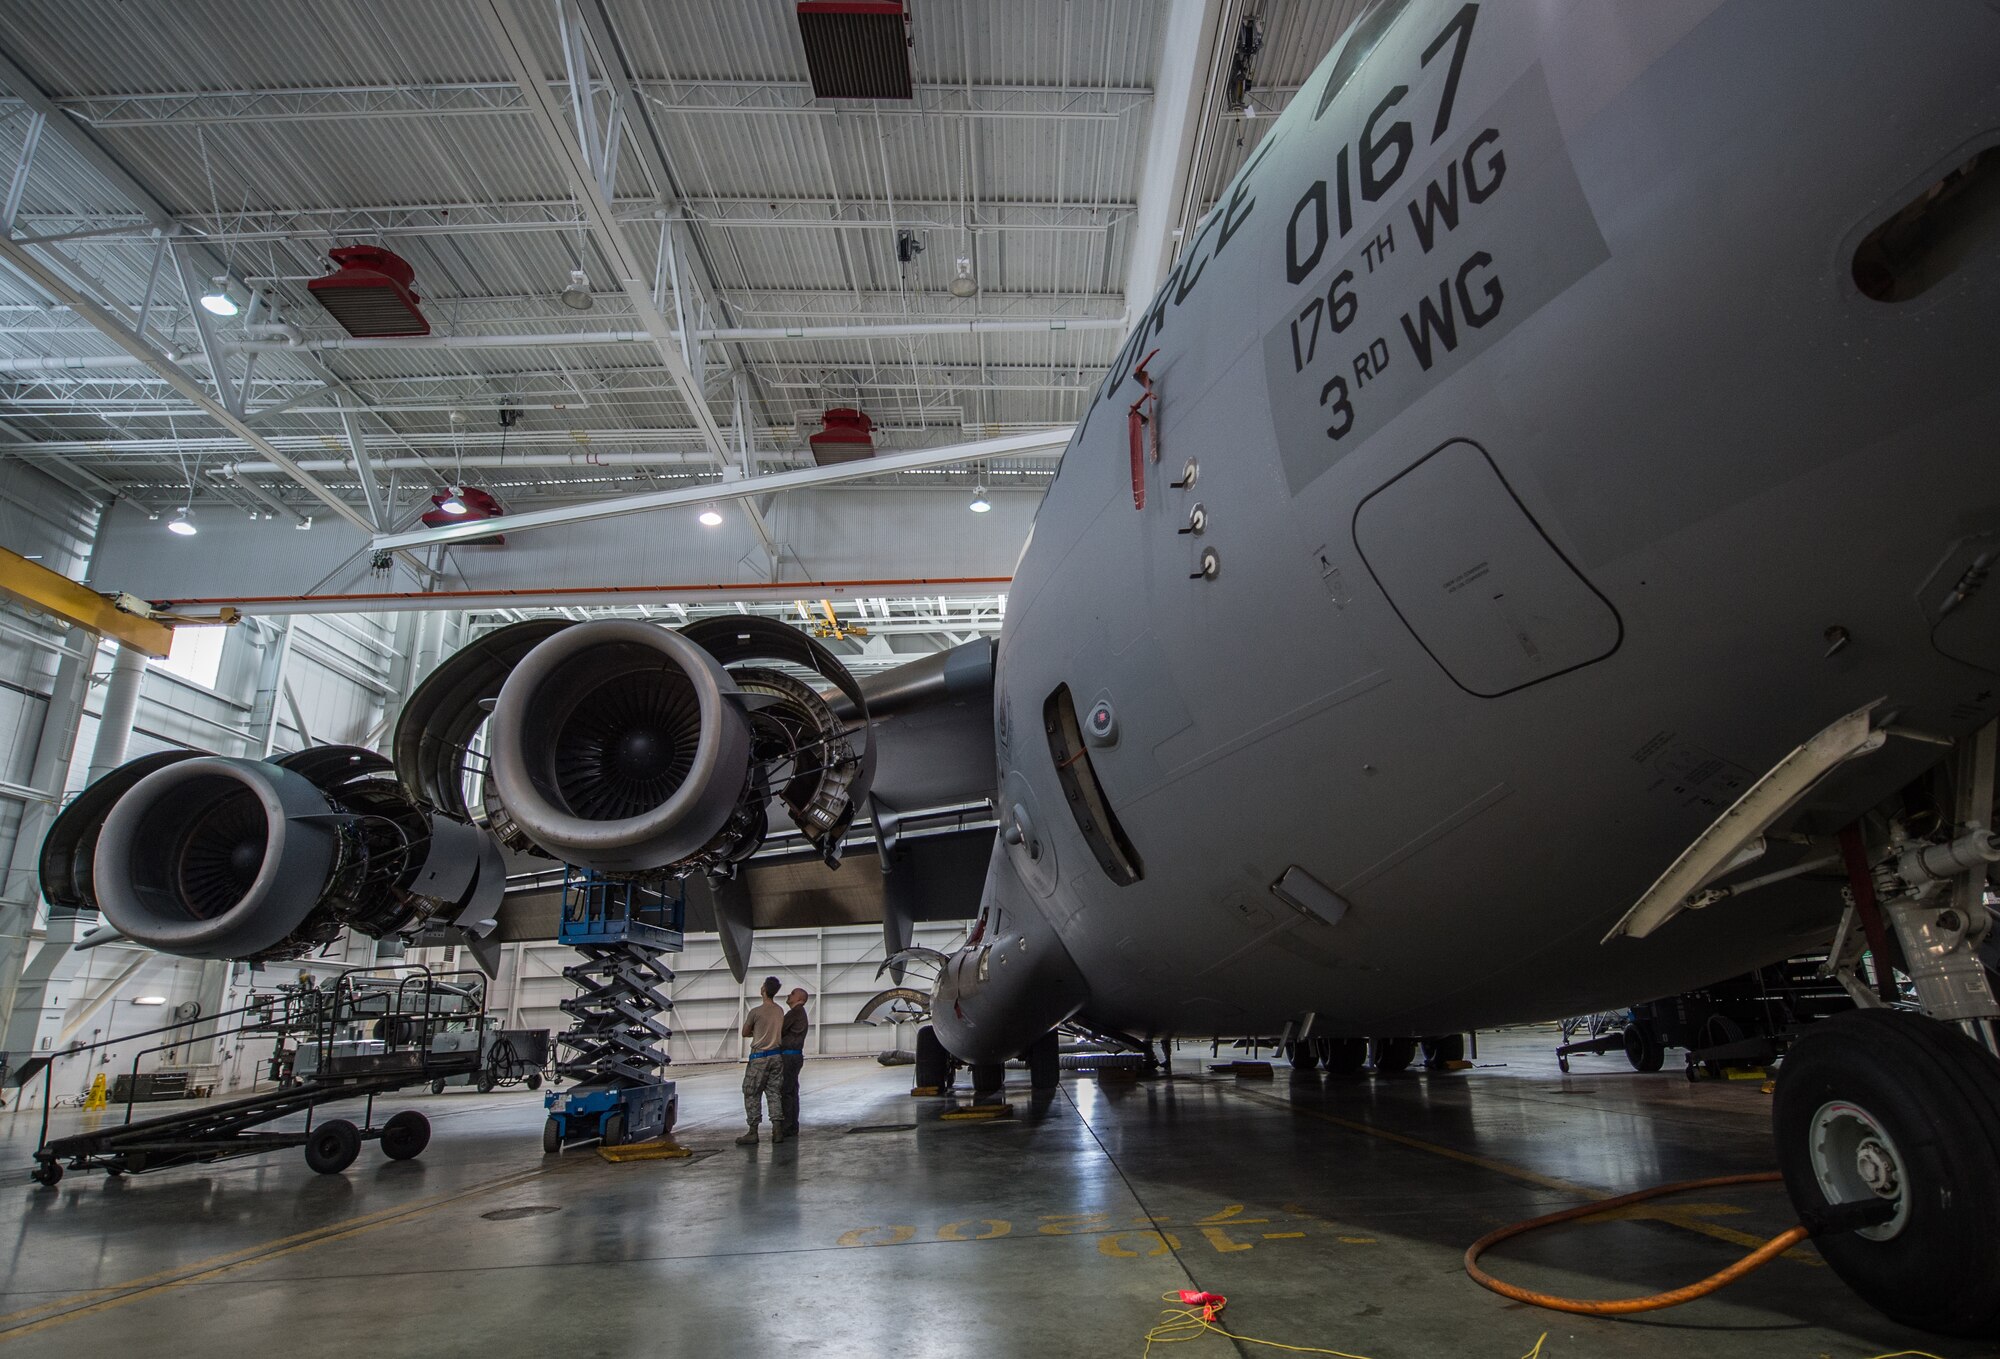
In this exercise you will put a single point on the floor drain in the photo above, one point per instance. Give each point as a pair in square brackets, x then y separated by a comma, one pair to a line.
[525, 1210]
[883, 1127]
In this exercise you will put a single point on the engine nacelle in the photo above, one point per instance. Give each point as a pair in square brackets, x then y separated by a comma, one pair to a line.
[629, 748]
[209, 857]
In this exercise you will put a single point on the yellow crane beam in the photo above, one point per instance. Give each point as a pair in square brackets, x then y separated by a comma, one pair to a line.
[35, 586]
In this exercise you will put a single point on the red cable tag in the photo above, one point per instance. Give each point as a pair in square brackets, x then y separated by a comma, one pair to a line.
[1211, 1304]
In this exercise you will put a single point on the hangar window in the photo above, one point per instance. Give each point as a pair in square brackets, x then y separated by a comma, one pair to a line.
[1084, 794]
[1952, 220]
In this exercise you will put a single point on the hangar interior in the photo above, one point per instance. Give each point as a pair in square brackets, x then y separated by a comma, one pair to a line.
[705, 323]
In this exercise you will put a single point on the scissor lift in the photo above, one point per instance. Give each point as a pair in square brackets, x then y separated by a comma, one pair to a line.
[616, 1048]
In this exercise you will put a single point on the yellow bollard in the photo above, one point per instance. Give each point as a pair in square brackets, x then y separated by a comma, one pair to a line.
[97, 1098]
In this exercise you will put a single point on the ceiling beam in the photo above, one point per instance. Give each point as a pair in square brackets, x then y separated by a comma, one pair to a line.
[114, 329]
[77, 141]
[1181, 89]
[515, 43]
[805, 478]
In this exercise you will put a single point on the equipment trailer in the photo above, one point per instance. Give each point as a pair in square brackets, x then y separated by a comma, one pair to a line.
[420, 1019]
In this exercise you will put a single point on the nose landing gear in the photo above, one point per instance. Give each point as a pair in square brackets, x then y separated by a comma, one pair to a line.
[1884, 1107]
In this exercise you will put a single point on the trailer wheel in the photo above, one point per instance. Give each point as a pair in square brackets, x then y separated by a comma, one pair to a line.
[405, 1136]
[47, 1174]
[437, 1087]
[534, 1080]
[333, 1146]
[1643, 1048]
[551, 1138]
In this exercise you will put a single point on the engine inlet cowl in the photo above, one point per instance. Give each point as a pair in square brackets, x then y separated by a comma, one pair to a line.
[215, 858]
[621, 746]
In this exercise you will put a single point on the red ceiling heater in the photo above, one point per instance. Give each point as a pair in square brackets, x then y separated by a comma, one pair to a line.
[844, 437]
[856, 49]
[369, 294]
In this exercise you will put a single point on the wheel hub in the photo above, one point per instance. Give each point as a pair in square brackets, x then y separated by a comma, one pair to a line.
[1854, 1159]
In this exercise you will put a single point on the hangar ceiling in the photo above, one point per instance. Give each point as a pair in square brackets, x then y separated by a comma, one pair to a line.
[739, 237]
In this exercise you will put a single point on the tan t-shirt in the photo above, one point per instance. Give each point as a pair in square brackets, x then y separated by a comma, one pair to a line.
[765, 1027]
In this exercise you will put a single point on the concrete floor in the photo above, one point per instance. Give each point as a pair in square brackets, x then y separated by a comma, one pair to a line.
[1332, 1212]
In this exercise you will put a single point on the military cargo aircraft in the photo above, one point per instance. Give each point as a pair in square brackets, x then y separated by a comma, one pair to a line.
[1532, 554]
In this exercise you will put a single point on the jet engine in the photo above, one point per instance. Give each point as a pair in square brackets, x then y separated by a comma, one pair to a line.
[630, 748]
[208, 857]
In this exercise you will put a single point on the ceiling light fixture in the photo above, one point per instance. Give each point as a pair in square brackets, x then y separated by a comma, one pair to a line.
[149, 1000]
[217, 300]
[454, 500]
[980, 504]
[963, 283]
[181, 524]
[577, 295]
[711, 516]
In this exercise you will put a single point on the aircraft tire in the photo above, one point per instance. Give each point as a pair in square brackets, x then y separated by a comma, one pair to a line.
[1442, 1048]
[1044, 1057]
[1643, 1049]
[1345, 1056]
[1883, 1098]
[933, 1062]
[405, 1135]
[1303, 1054]
[1393, 1056]
[988, 1079]
[333, 1146]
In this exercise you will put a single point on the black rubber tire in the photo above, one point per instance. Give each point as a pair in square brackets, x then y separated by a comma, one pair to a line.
[988, 1080]
[551, 1138]
[534, 1080]
[1936, 1094]
[1441, 1048]
[1392, 1056]
[1304, 1055]
[333, 1146]
[405, 1135]
[933, 1062]
[673, 1115]
[614, 1129]
[1644, 1050]
[1345, 1056]
[437, 1087]
[486, 1081]
[48, 1174]
[1044, 1058]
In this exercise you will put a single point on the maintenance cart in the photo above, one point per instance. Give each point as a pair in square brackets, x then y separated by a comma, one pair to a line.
[420, 1027]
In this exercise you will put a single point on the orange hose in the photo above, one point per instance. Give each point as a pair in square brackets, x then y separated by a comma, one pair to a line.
[1763, 1255]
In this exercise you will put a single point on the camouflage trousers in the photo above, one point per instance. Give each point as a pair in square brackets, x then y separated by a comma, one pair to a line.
[764, 1078]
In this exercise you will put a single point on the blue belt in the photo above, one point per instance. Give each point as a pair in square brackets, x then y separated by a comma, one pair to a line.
[773, 1052]
[791, 1052]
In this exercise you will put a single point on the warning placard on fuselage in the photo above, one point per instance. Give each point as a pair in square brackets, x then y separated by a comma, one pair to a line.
[1385, 308]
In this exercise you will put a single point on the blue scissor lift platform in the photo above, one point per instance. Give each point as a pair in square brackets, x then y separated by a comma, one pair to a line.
[616, 1049]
